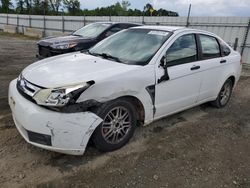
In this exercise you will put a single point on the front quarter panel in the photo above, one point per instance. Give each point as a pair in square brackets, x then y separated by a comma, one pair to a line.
[132, 83]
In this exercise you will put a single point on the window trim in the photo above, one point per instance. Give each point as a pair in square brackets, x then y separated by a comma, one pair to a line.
[197, 51]
[198, 46]
[201, 53]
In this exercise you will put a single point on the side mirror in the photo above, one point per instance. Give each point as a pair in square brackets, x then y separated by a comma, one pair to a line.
[163, 64]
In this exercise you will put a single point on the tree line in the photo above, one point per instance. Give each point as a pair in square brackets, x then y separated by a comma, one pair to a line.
[72, 7]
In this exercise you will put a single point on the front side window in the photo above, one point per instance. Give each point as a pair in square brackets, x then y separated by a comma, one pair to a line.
[92, 30]
[210, 47]
[133, 46]
[183, 50]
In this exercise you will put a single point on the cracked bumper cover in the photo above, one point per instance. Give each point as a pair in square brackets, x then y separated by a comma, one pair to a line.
[69, 132]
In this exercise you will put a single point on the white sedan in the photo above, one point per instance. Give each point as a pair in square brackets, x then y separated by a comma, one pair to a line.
[133, 77]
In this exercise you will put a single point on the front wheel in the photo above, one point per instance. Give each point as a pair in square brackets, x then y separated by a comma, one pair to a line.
[119, 122]
[224, 95]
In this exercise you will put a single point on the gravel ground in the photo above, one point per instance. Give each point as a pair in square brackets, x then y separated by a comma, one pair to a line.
[200, 147]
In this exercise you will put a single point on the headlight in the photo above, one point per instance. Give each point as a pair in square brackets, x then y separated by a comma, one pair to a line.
[63, 46]
[59, 97]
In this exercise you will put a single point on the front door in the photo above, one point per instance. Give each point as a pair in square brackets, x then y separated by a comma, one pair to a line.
[182, 88]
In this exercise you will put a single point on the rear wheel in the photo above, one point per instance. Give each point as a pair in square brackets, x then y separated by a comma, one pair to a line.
[224, 95]
[119, 122]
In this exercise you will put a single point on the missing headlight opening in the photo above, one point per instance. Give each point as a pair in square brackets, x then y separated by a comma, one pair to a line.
[61, 96]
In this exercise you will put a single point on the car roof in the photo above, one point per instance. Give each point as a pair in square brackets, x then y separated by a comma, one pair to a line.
[173, 29]
[113, 23]
[164, 28]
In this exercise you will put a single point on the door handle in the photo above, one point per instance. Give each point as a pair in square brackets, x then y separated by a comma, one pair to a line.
[195, 68]
[223, 61]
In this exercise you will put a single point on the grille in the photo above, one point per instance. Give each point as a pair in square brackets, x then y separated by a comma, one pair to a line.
[27, 89]
[39, 138]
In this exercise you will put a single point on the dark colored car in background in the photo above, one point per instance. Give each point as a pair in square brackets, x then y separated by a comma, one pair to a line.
[81, 39]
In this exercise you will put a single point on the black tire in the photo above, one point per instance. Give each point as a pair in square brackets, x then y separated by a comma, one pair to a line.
[219, 102]
[102, 135]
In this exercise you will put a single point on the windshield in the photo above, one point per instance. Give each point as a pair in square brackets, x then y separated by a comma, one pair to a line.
[133, 46]
[92, 30]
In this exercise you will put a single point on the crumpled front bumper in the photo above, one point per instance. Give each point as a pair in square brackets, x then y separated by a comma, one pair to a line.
[44, 51]
[66, 133]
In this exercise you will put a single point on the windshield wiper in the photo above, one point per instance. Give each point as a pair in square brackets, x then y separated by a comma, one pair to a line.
[108, 56]
[104, 55]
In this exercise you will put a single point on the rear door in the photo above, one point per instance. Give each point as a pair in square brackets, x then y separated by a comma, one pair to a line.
[182, 88]
[214, 66]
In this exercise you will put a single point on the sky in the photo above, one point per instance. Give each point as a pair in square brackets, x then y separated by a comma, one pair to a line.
[199, 7]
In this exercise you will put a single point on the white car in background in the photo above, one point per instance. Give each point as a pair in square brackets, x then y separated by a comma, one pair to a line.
[133, 77]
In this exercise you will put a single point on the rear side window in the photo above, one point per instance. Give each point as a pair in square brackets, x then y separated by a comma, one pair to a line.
[183, 50]
[210, 47]
[130, 25]
[113, 30]
[126, 26]
[225, 49]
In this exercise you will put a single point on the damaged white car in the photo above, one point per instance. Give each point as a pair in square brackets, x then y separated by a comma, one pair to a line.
[133, 77]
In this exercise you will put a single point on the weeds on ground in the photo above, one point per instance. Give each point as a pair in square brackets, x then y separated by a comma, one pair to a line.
[16, 35]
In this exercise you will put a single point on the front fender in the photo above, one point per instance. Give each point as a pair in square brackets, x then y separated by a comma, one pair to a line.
[132, 84]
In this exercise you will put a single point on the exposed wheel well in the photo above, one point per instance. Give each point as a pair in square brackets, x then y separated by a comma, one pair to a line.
[139, 107]
[232, 78]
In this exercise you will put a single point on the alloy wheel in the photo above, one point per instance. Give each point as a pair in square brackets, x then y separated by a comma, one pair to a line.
[116, 125]
[225, 93]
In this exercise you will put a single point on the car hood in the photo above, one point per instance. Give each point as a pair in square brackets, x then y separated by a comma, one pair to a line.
[64, 39]
[73, 68]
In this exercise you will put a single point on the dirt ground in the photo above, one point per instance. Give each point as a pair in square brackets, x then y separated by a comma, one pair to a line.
[200, 147]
